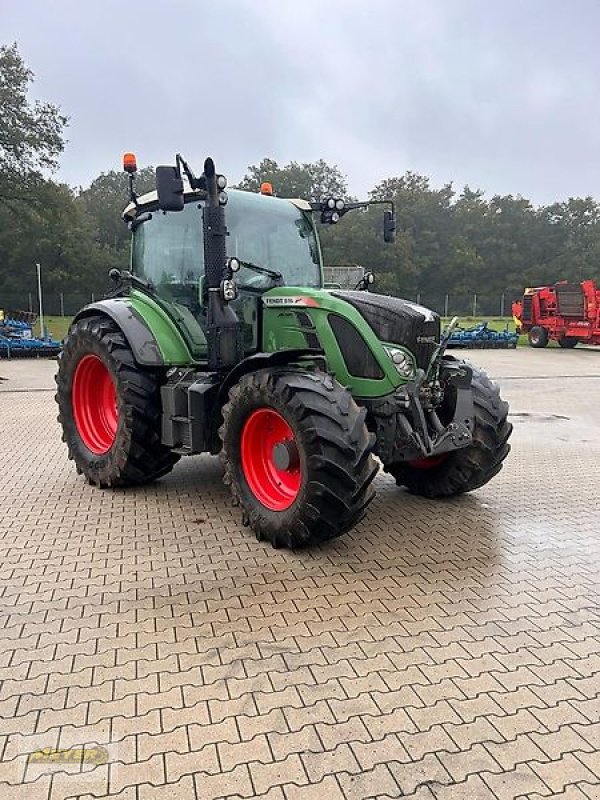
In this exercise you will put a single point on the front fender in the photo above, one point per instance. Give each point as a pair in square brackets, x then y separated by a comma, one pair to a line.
[258, 361]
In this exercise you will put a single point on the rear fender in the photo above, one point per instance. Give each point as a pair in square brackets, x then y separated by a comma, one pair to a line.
[151, 334]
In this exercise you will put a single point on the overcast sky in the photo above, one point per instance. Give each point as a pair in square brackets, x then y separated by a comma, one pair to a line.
[501, 95]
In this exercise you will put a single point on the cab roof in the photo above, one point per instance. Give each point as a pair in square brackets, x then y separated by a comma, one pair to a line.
[151, 198]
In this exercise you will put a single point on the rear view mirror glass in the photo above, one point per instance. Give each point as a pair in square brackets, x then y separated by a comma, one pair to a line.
[169, 187]
[389, 227]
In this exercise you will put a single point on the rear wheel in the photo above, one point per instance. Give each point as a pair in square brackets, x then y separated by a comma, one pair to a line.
[538, 336]
[470, 467]
[568, 342]
[297, 456]
[109, 408]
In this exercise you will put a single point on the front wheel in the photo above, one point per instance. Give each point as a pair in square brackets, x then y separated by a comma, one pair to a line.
[109, 408]
[297, 456]
[470, 467]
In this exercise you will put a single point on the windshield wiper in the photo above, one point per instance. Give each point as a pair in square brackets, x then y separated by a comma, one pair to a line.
[277, 276]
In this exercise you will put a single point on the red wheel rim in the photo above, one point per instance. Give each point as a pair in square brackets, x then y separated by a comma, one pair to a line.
[94, 401]
[274, 486]
[429, 463]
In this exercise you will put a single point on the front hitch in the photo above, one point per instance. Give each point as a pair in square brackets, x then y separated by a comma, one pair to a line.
[436, 358]
[407, 429]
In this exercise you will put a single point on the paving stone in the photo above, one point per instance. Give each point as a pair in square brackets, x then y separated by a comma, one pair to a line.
[439, 650]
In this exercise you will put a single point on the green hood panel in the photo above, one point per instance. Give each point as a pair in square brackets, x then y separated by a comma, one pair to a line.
[298, 317]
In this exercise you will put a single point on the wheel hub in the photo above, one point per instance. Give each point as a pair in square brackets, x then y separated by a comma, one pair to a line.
[285, 455]
[270, 459]
[94, 403]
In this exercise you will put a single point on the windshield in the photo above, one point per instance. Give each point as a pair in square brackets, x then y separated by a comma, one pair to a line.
[274, 234]
[265, 231]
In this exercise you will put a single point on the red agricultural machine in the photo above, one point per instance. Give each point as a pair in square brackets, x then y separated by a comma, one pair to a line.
[566, 312]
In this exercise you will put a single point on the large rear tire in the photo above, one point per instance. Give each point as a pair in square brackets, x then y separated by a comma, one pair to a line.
[109, 408]
[568, 342]
[538, 336]
[297, 456]
[470, 467]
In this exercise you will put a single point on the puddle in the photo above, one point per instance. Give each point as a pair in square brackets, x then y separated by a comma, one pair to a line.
[536, 416]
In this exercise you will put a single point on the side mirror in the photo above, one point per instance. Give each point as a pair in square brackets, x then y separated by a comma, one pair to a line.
[389, 227]
[169, 187]
[367, 280]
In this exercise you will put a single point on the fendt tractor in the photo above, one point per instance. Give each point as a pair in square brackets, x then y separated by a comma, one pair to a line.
[567, 313]
[221, 338]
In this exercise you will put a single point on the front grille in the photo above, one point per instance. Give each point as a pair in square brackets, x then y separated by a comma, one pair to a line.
[398, 322]
[356, 353]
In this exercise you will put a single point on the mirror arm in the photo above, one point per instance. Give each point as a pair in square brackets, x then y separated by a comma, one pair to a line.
[139, 220]
[195, 183]
[316, 206]
[368, 203]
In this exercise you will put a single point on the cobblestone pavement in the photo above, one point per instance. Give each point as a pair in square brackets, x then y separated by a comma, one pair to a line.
[441, 650]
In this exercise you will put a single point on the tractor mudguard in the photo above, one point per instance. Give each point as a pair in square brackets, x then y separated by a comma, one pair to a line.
[258, 361]
[140, 338]
[153, 337]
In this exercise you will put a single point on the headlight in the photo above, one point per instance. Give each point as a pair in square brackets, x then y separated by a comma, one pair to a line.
[401, 361]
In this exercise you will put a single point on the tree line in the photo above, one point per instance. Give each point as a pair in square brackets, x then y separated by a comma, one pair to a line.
[448, 241]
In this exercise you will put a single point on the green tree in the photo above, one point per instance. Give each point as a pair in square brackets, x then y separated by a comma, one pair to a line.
[30, 133]
[104, 201]
[571, 238]
[311, 180]
[57, 233]
[424, 242]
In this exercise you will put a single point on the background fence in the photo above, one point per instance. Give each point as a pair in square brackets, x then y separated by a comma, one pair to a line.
[56, 304]
[448, 305]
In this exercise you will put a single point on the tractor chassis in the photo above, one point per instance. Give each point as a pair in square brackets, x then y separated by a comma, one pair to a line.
[406, 425]
[192, 399]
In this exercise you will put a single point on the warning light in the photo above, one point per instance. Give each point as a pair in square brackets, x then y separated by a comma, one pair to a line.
[129, 162]
[266, 188]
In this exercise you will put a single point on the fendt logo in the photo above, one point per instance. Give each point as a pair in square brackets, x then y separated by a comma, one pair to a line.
[292, 300]
[426, 340]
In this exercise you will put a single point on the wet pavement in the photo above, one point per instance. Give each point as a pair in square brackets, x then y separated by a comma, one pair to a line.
[441, 650]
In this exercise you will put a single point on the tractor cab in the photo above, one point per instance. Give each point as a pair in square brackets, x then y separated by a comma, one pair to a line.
[276, 237]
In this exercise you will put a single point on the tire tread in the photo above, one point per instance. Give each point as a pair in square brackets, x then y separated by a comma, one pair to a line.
[471, 467]
[138, 455]
[340, 467]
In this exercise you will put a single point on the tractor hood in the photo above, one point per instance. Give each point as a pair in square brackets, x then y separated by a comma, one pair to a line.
[398, 321]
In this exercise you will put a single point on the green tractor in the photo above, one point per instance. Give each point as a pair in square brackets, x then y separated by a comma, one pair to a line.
[222, 339]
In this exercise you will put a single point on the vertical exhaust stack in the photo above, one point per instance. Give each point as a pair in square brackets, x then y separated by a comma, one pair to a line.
[224, 330]
[224, 333]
